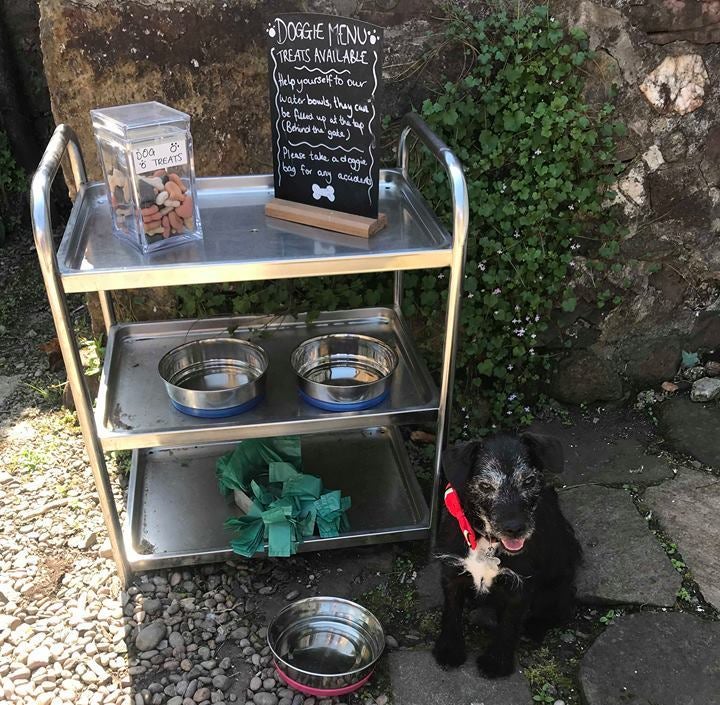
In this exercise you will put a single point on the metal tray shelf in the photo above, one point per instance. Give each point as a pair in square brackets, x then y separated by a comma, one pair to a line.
[133, 409]
[176, 512]
[242, 244]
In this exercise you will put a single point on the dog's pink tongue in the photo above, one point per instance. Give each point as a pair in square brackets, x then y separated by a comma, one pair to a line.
[513, 544]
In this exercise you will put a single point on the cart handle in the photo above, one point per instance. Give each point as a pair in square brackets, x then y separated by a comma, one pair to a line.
[412, 122]
[63, 140]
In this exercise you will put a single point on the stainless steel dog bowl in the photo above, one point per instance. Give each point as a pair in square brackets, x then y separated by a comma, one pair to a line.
[344, 370]
[214, 377]
[323, 644]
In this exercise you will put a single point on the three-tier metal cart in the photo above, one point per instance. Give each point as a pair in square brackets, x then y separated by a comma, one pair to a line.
[175, 512]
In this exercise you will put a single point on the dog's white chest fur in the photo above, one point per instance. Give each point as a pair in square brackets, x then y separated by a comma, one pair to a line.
[482, 565]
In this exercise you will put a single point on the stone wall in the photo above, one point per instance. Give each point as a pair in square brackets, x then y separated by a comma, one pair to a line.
[204, 57]
[664, 58]
[207, 58]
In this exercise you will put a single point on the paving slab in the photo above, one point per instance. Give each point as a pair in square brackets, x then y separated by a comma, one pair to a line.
[622, 560]
[688, 508]
[668, 658]
[608, 449]
[691, 428]
[418, 680]
[429, 588]
[351, 572]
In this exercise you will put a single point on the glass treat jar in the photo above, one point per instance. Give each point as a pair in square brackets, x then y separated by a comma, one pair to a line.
[146, 153]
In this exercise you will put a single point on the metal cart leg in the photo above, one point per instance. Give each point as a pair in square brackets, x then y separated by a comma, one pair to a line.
[108, 310]
[64, 139]
[461, 210]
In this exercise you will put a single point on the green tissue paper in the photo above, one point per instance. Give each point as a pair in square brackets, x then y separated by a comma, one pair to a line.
[288, 505]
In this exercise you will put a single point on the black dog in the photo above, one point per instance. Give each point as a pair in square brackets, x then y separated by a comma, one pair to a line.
[525, 555]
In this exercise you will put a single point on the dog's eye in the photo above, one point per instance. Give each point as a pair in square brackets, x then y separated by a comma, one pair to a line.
[484, 486]
[528, 482]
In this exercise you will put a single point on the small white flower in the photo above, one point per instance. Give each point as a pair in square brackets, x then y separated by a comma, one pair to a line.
[533, 336]
[509, 413]
[532, 351]
[496, 291]
[509, 368]
[471, 295]
[500, 252]
[481, 266]
[512, 397]
[516, 234]
[526, 409]
[537, 318]
[441, 276]
[571, 207]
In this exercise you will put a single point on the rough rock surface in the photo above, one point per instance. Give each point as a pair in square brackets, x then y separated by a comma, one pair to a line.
[206, 58]
[8, 385]
[663, 659]
[622, 561]
[418, 680]
[585, 377]
[677, 84]
[705, 389]
[688, 509]
[691, 428]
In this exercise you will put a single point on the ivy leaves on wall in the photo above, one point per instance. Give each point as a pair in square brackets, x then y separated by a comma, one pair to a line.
[538, 161]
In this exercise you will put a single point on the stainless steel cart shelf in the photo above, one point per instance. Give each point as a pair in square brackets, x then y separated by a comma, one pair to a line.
[134, 411]
[176, 513]
[241, 244]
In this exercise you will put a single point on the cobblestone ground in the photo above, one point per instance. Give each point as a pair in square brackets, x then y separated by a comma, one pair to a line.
[644, 504]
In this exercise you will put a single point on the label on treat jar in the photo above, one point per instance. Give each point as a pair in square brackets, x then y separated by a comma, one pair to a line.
[160, 156]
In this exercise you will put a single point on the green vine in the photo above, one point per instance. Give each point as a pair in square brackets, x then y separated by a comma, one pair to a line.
[538, 162]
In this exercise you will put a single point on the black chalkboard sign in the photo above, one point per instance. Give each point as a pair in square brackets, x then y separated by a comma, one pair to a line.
[325, 79]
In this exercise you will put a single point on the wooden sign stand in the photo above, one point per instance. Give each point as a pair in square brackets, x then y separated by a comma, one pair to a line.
[323, 218]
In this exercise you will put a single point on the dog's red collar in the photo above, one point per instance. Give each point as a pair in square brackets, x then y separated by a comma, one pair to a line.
[452, 502]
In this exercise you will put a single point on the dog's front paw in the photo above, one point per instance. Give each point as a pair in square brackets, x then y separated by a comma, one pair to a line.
[449, 654]
[493, 664]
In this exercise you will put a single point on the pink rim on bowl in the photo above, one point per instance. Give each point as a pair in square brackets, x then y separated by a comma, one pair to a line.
[320, 692]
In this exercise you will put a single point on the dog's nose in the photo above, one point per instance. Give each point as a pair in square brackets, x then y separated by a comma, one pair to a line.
[513, 527]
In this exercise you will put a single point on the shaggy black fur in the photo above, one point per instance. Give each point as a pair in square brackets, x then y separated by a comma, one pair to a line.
[501, 489]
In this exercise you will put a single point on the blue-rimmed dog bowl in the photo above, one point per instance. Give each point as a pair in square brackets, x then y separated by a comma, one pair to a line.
[344, 371]
[214, 378]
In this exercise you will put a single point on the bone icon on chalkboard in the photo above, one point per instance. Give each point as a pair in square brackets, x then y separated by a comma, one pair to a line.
[328, 192]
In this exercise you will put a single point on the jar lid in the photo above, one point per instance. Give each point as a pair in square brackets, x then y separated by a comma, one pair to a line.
[123, 119]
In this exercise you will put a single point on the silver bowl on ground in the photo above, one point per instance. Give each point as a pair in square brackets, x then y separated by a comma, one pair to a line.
[214, 377]
[325, 644]
[342, 369]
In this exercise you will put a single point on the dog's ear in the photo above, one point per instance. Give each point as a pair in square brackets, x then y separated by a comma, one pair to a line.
[457, 462]
[546, 452]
